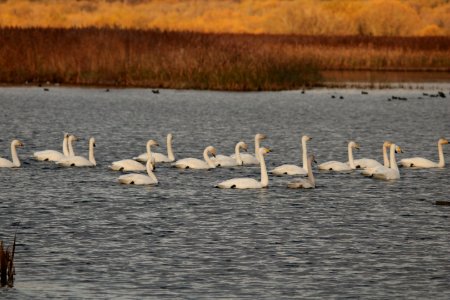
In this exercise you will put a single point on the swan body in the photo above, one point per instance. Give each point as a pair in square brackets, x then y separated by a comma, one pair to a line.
[159, 157]
[195, 163]
[53, 155]
[228, 161]
[15, 163]
[80, 161]
[307, 183]
[422, 163]
[249, 159]
[293, 169]
[140, 179]
[249, 183]
[386, 173]
[340, 166]
[366, 163]
[132, 165]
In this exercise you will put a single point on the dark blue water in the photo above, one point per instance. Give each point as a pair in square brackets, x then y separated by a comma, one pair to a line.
[80, 234]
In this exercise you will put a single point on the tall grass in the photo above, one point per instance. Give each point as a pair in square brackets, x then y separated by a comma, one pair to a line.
[109, 56]
[7, 269]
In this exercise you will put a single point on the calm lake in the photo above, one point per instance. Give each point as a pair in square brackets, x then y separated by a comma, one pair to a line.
[80, 234]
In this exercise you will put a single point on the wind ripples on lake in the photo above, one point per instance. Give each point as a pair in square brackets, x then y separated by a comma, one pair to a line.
[80, 234]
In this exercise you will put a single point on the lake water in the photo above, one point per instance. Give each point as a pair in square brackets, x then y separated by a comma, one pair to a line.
[80, 234]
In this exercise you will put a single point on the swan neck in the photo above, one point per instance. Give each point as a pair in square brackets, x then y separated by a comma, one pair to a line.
[70, 147]
[310, 174]
[149, 171]
[305, 156]
[64, 146]
[149, 153]
[91, 154]
[210, 163]
[257, 145]
[169, 149]
[14, 156]
[392, 161]
[385, 157]
[441, 156]
[237, 154]
[264, 176]
[350, 157]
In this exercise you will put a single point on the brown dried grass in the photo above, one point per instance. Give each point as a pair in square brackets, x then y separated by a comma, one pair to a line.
[169, 59]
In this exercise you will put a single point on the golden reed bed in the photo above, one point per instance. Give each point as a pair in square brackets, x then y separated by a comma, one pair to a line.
[190, 60]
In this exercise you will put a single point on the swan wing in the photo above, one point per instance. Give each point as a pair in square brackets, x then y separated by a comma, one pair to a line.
[224, 161]
[160, 158]
[240, 183]
[418, 162]
[334, 166]
[4, 163]
[127, 165]
[48, 155]
[386, 174]
[141, 157]
[75, 161]
[191, 163]
[301, 184]
[364, 163]
[289, 170]
[247, 159]
[137, 179]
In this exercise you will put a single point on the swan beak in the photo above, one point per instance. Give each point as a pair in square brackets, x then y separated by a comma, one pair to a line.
[93, 144]
[21, 144]
[357, 146]
[263, 136]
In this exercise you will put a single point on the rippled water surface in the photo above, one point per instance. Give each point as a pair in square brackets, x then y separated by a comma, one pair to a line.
[82, 235]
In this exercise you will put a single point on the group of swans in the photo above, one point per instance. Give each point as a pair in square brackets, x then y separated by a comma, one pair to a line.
[370, 167]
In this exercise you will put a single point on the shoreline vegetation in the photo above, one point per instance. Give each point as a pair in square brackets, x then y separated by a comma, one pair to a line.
[215, 61]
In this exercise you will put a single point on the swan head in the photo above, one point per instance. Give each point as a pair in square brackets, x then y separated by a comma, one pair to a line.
[243, 146]
[73, 138]
[398, 149]
[92, 142]
[260, 136]
[387, 144]
[306, 138]
[66, 135]
[211, 150]
[443, 141]
[264, 150]
[353, 145]
[312, 159]
[169, 136]
[152, 143]
[17, 143]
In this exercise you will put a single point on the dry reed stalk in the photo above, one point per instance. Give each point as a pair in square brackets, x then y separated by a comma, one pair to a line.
[7, 270]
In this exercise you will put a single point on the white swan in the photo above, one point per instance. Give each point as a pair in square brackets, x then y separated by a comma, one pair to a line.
[132, 165]
[249, 183]
[53, 155]
[340, 166]
[365, 163]
[293, 169]
[195, 163]
[228, 161]
[307, 183]
[420, 162]
[249, 159]
[15, 163]
[386, 173]
[79, 161]
[140, 179]
[159, 157]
